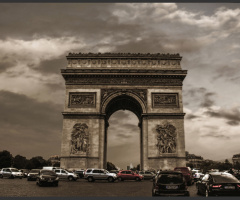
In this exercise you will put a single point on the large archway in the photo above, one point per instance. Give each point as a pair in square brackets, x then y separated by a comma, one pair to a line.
[149, 85]
[122, 101]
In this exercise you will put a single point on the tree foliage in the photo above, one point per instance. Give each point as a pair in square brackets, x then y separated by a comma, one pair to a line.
[6, 159]
[111, 166]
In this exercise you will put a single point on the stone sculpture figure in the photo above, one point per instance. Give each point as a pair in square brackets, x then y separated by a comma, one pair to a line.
[166, 138]
[79, 139]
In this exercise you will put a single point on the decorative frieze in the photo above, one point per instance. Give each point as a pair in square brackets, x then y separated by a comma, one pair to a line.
[138, 80]
[82, 99]
[165, 100]
[166, 138]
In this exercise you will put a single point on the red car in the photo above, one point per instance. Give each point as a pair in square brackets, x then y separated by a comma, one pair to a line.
[187, 173]
[128, 175]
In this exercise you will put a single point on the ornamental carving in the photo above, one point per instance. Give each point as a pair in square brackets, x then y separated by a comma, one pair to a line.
[141, 93]
[80, 139]
[166, 138]
[82, 99]
[165, 100]
[124, 81]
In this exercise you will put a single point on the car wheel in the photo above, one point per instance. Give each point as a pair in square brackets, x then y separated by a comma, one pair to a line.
[12, 176]
[70, 178]
[1, 176]
[120, 179]
[28, 179]
[39, 183]
[137, 179]
[110, 179]
[153, 194]
[187, 194]
[90, 179]
[56, 184]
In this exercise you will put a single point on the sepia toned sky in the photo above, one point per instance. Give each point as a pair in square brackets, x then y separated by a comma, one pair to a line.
[35, 38]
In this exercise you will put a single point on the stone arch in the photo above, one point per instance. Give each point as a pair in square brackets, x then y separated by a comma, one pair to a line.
[124, 95]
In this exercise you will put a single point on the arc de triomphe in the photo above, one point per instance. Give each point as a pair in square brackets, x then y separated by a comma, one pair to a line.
[149, 85]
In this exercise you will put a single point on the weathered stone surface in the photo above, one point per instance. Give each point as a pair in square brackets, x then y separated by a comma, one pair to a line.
[150, 85]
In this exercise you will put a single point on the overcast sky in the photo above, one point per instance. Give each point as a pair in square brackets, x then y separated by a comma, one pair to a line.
[35, 38]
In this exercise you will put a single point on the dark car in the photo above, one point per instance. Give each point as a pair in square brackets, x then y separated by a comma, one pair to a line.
[169, 183]
[187, 173]
[47, 177]
[147, 175]
[32, 175]
[217, 183]
[129, 175]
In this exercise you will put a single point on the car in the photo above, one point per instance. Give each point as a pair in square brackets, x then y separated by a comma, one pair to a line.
[80, 173]
[187, 173]
[218, 183]
[197, 174]
[25, 172]
[11, 173]
[129, 175]
[99, 174]
[47, 177]
[32, 175]
[169, 183]
[114, 171]
[147, 175]
[65, 174]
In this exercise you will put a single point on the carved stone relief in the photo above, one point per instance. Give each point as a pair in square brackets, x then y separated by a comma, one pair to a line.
[166, 138]
[80, 139]
[82, 99]
[165, 100]
[141, 93]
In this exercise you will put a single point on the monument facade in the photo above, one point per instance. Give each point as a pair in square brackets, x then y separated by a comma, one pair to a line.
[149, 85]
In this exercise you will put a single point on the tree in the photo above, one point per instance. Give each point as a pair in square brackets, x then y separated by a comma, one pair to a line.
[38, 162]
[6, 159]
[19, 162]
[111, 166]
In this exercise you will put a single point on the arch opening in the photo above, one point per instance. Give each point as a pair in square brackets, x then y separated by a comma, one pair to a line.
[128, 120]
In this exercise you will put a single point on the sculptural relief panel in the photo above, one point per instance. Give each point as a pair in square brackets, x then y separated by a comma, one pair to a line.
[165, 100]
[82, 99]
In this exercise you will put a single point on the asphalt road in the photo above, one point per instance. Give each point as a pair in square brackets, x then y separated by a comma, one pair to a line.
[81, 187]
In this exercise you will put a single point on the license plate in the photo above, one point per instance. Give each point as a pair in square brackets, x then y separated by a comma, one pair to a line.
[50, 181]
[171, 187]
[230, 187]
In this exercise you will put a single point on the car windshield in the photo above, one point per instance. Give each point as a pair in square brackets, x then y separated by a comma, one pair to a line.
[228, 178]
[170, 178]
[14, 170]
[105, 171]
[48, 173]
[34, 171]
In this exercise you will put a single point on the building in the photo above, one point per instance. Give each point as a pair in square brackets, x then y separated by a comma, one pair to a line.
[55, 160]
[193, 160]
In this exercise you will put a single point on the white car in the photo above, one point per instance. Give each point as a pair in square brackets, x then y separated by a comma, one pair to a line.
[11, 173]
[197, 174]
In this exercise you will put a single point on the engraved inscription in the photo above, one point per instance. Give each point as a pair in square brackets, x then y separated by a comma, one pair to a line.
[164, 100]
[166, 138]
[82, 99]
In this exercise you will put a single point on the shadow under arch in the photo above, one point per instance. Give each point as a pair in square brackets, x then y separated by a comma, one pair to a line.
[123, 101]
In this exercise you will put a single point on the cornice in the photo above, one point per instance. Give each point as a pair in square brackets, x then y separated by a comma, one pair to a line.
[124, 55]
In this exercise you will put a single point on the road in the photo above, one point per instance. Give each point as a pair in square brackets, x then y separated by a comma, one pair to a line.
[24, 188]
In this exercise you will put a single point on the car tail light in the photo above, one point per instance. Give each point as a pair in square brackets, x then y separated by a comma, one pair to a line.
[216, 186]
[238, 186]
[156, 187]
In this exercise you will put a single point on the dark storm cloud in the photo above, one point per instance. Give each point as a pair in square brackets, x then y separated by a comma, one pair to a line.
[227, 73]
[201, 95]
[52, 66]
[27, 126]
[191, 116]
[233, 116]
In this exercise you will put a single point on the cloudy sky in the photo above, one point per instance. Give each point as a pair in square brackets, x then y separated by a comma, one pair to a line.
[35, 38]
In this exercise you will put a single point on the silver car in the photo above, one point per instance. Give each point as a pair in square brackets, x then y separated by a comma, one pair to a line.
[99, 174]
[11, 173]
[65, 174]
